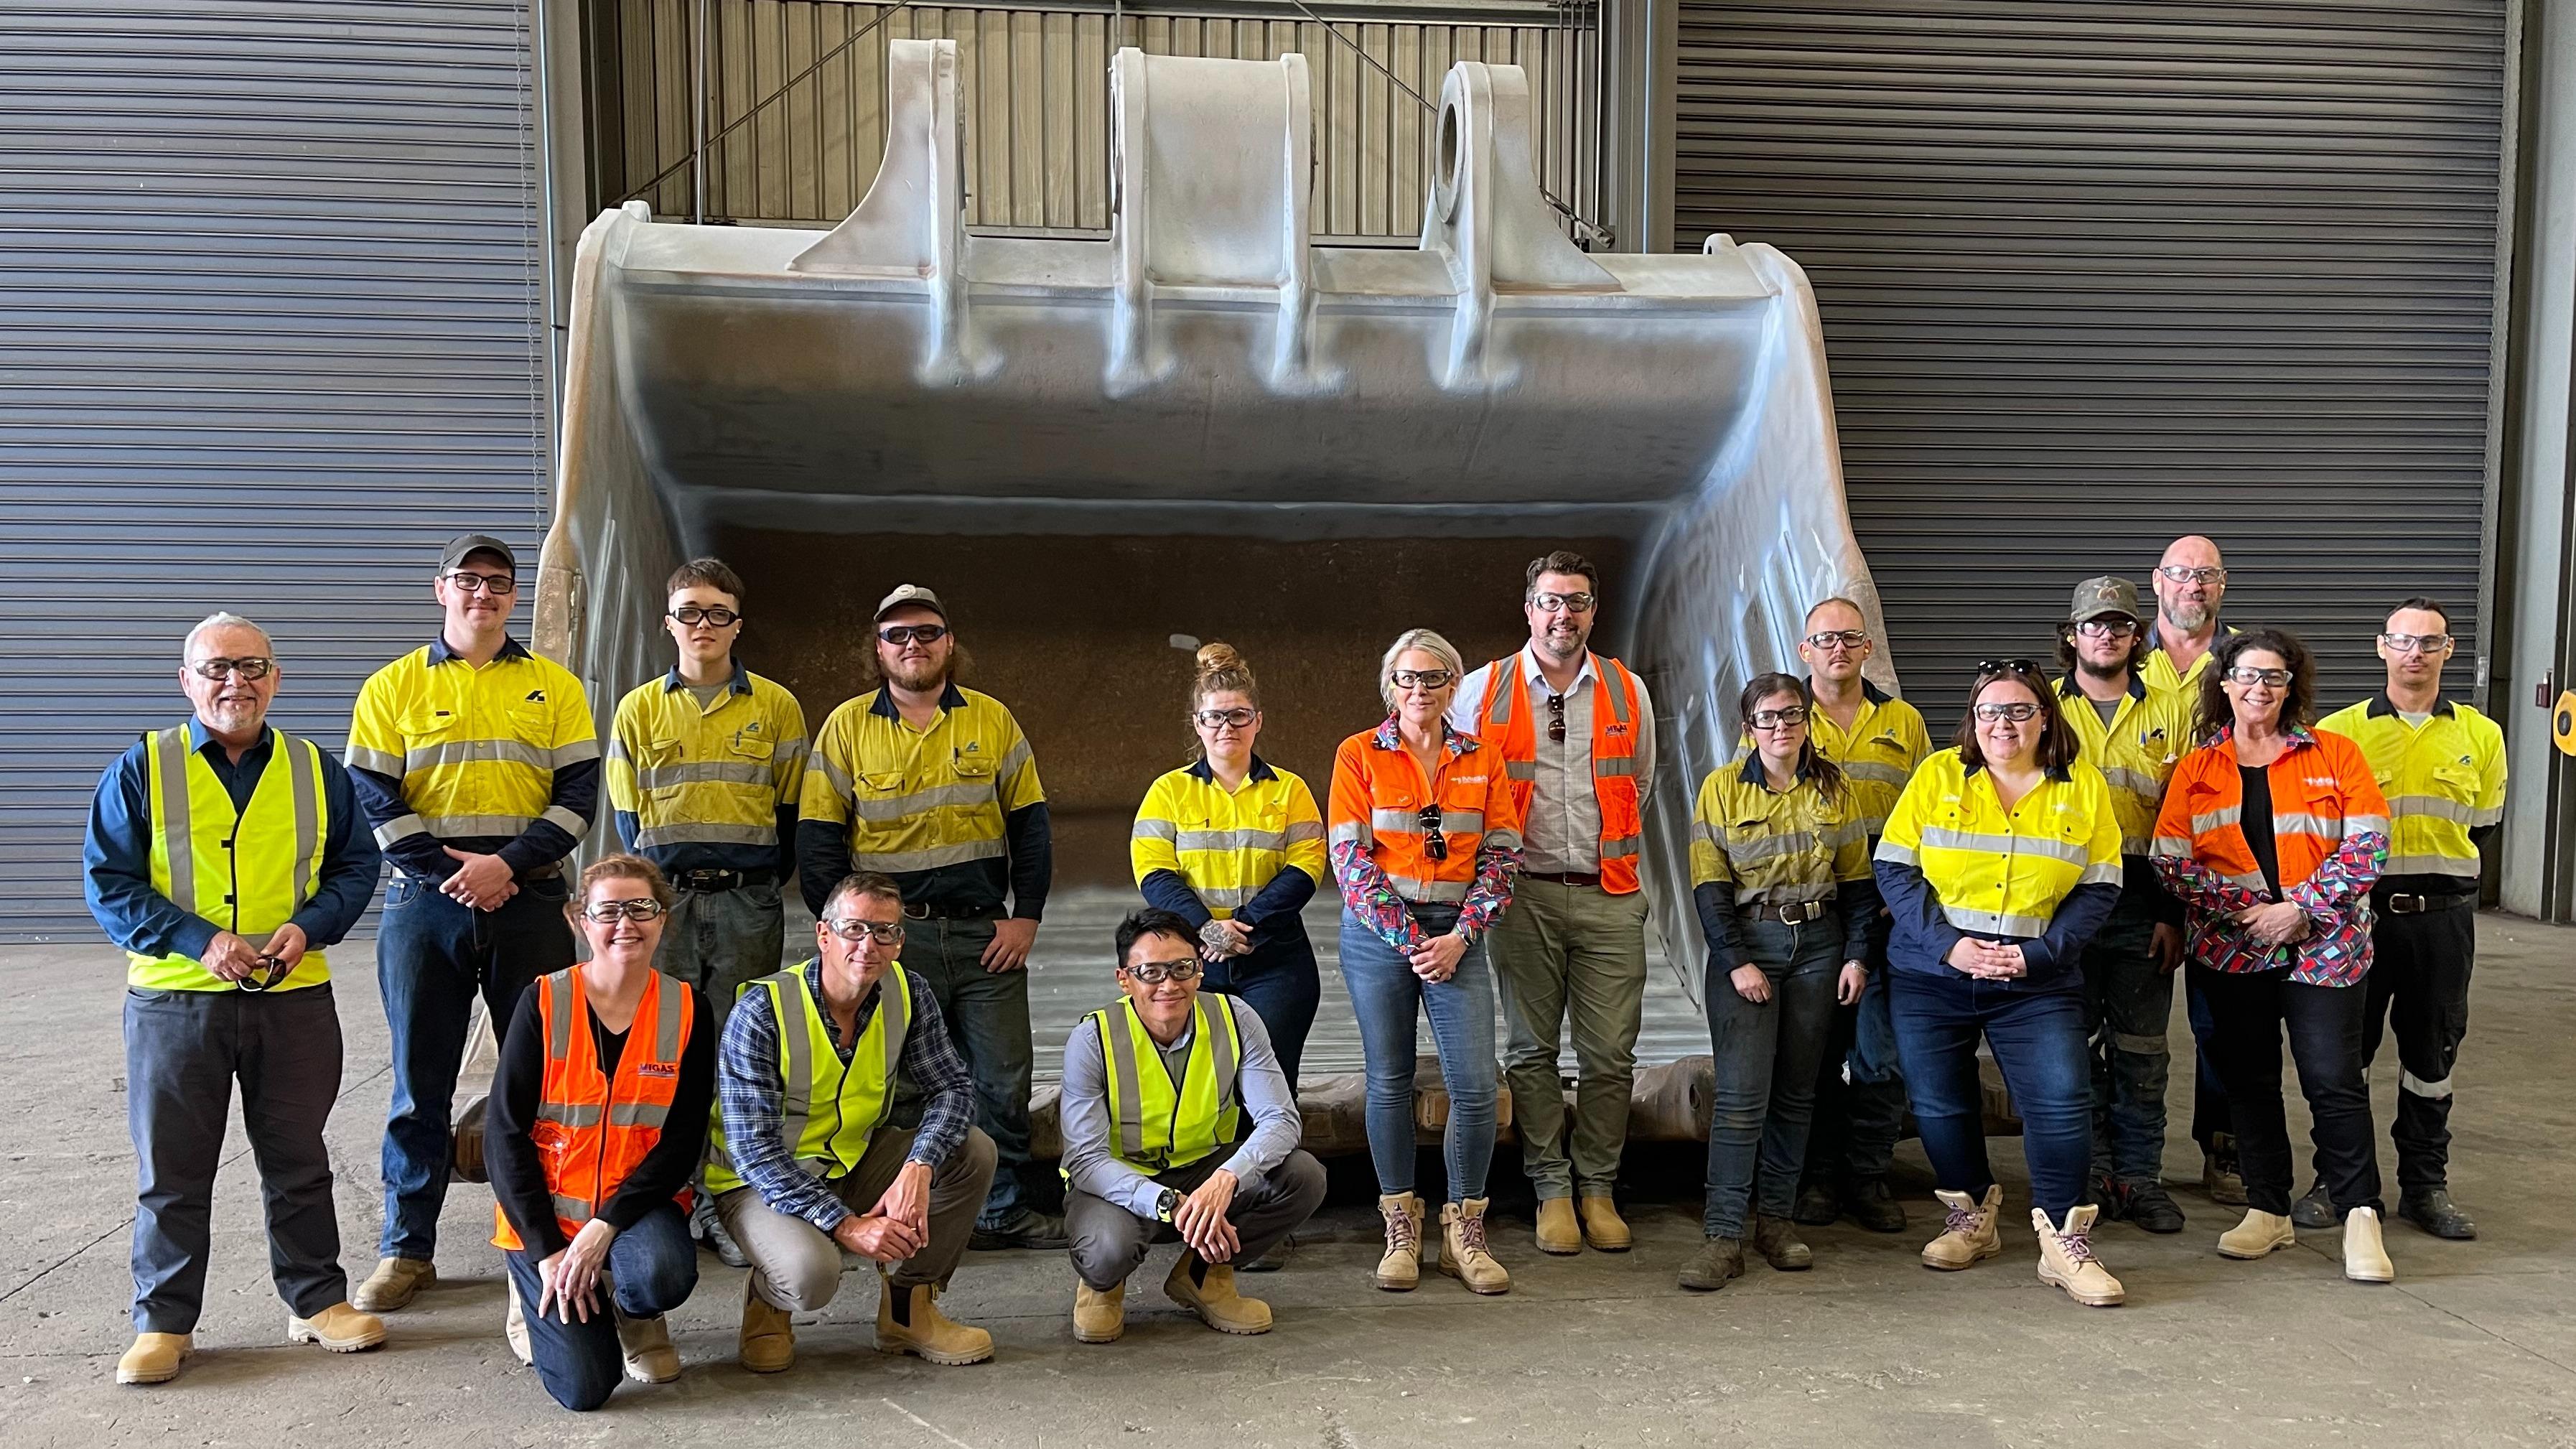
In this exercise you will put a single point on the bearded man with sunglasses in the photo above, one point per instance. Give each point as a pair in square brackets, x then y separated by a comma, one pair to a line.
[936, 787]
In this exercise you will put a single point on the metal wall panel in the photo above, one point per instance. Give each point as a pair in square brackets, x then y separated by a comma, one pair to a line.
[269, 334]
[2094, 275]
[1035, 83]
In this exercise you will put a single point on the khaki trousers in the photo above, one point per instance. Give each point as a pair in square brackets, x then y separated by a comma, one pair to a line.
[1571, 956]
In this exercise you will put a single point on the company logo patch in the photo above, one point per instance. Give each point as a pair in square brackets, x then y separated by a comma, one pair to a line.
[537, 696]
[658, 1069]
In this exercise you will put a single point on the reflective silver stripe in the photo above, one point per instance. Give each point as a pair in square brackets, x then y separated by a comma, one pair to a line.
[639, 1114]
[1617, 683]
[2111, 874]
[572, 752]
[669, 1021]
[1845, 833]
[2177, 846]
[571, 1115]
[897, 861]
[1614, 847]
[1883, 774]
[177, 840]
[2431, 865]
[447, 753]
[1768, 847]
[1900, 854]
[2364, 825]
[2137, 782]
[694, 833]
[572, 1209]
[304, 761]
[2409, 1082]
[894, 1007]
[898, 807]
[2301, 823]
[359, 757]
[454, 827]
[2208, 821]
[2252, 881]
[1508, 840]
[1305, 830]
[398, 828]
[1997, 922]
[1399, 822]
[1613, 767]
[1430, 891]
[569, 821]
[1222, 1055]
[1498, 698]
[1520, 770]
[617, 752]
[1701, 833]
[1223, 898]
[839, 778]
[2142, 1046]
[709, 772]
[1013, 759]
[558, 1004]
[1461, 822]
[1936, 838]
[1351, 832]
[2430, 807]
[2493, 815]
[1232, 840]
[1150, 829]
[1116, 1037]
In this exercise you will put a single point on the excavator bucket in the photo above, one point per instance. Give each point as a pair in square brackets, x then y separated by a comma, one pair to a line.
[1205, 426]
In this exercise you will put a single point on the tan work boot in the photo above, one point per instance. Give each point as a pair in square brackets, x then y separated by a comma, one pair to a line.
[646, 1342]
[1777, 1240]
[154, 1358]
[1098, 1317]
[339, 1328]
[768, 1335]
[1603, 1228]
[909, 1321]
[1400, 1267]
[2365, 1256]
[2066, 1259]
[1558, 1232]
[394, 1283]
[1463, 1254]
[1207, 1289]
[2260, 1233]
[514, 1322]
[1969, 1233]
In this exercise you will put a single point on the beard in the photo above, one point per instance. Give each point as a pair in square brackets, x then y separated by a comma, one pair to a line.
[2188, 616]
[916, 674]
[2112, 670]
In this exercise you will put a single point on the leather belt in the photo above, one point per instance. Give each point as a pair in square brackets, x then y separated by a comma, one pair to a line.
[1562, 877]
[2403, 905]
[1791, 913]
[923, 911]
[711, 880]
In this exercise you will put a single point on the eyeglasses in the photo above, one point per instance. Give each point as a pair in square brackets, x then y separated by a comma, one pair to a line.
[2183, 575]
[2397, 643]
[692, 614]
[851, 928]
[1556, 719]
[1435, 845]
[2019, 712]
[1837, 638]
[1772, 719]
[1562, 603]
[2249, 677]
[2108, 628]
[1988, 668]
[1217, 718]
[605, 912]
[467, 581]
[1155, 973]
[272, 970]
[1422, 678]
[901, 634]
[251, 667]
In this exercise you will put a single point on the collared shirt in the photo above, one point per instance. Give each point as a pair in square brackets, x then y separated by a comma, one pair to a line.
[955, 813]
[1090, 1166]
[2159, 671]
[2149, 730]
[2444, 779]
[501, 759]
[708, 785]
[753, 1097]
[1378, 844]
[1878, 754]
[1752, 845]
[1956, 861]
[116, 853]
[1561, 835]
[1255, 853]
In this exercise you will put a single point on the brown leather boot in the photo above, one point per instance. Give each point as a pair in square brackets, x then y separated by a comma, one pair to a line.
[1558, 1232]
[395, 1283]
[154, 1358]
[1098, 1317]
[768, 1335]
[1207, 1289]
[339, 1328]
[909, 1321]
[1603, 1229]
[645, 1343]
[1463, 1254]
[1777, 1240]
[1400, 1267]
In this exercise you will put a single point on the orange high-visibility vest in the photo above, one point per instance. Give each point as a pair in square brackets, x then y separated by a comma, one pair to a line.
[1513, 729]
[591, 1131]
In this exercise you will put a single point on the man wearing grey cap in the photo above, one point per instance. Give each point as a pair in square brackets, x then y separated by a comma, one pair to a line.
[935, 786]
[477, 764]
[2133, 733]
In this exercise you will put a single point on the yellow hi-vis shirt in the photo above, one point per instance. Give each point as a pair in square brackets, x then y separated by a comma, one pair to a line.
[2149, 731]
[1878, 754]
[476, 750]
[2443, 779]
[706, 783]
[917, 800]
[2003, 872]
[1226, 845]
[2159, 671]
[1775, 848]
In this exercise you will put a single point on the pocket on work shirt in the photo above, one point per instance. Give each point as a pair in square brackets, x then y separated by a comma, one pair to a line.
[750, 748]
[533, 727]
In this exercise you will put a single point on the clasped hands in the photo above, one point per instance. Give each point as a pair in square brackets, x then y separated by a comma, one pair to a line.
[898, 1226]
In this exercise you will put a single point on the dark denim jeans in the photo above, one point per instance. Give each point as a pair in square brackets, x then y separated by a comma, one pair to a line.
[652, 1267]
[1279, 982]
[2250, 1011]
[2128, 1006]
[2038, 1040]
[1860, 1093]
[432, 957]
[1385, 995]
[988, 1019]
[1765, 1084]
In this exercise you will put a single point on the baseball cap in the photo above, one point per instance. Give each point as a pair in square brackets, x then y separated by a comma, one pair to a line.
[465, 543]
[2106, 595]
[913, 595]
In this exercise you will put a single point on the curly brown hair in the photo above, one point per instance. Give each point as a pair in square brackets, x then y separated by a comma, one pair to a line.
[2217, 711]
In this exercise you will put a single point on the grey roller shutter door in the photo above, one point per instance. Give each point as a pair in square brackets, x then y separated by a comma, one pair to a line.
[269, 333]
[2096, 274]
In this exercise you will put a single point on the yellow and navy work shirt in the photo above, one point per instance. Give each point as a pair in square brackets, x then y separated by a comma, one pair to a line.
[1878, 754]
[709, 786]
[1752, 845]
[2159, 671]
[1956, 862]
[954, 813]
[2444, 779]
[2149, 730]
[1205, 852]
[502, 760]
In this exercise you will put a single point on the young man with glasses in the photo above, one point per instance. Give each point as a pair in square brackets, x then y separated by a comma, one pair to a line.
[1156, 1090]
[1577, 734]
[1877, 740]
[2133, 734]
[803, 1159]
[478, 765]
[705, 765]
[935, 786]
[224, 856]
[2441, 765]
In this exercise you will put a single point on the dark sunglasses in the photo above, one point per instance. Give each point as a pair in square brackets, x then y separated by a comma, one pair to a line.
[1556, 719]
[1435, 845]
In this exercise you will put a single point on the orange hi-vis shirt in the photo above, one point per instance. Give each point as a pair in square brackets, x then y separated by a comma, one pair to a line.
[1385, 814]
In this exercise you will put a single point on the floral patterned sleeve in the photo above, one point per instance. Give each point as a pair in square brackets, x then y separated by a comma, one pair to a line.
[1495, 867]
[1369, 895]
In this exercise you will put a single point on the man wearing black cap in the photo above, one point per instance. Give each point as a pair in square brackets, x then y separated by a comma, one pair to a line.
[935, 786]
[478, 765]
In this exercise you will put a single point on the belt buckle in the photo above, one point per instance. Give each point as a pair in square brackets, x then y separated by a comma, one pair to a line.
[2406, 905]
[916, 910]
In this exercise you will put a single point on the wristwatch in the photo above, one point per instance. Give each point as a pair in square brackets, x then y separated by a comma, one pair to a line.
[1166, 1205]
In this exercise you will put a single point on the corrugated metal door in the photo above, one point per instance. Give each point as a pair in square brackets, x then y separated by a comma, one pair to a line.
[2097, 274]
[269, 333]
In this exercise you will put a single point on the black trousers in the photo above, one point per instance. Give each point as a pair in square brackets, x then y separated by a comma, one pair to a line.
[2418, 988]
[2248, 1014]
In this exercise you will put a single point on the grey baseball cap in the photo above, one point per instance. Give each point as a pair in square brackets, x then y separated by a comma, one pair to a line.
[467, 543]
[2105, 595]
[912, 595]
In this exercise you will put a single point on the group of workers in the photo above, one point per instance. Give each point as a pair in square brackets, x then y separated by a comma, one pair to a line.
[1872, 908]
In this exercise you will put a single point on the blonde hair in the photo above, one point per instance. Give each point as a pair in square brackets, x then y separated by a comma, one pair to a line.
[621, 867]
[1429, 642]
[1222, 670]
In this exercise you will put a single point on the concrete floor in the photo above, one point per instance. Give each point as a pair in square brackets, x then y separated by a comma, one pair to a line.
[2473, 1346]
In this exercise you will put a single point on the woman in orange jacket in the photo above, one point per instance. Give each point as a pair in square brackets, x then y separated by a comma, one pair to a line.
[2270, 836]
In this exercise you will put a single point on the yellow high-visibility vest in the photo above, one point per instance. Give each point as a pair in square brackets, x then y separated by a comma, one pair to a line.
[829, 1110]
[248, 872]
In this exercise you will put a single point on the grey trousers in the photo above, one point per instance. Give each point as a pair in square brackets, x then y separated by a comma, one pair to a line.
[1571, 955]
[796, 1266]
[717, 940]
[1109, 1241]
[183, 1052]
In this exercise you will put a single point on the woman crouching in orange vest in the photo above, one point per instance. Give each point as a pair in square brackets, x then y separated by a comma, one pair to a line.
[597, 1119]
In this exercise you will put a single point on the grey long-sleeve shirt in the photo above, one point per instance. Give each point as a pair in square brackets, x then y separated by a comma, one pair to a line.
[1091, 1167]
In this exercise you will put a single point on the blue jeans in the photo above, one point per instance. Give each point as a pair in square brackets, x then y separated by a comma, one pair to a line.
[432, 957]
[2038, 1040]
[1384, 992]
[1765, 1085]
[652, 1267]
[1279, 982]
